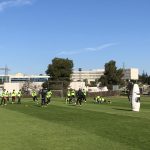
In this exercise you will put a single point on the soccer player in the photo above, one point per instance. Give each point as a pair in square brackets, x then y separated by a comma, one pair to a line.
[129, 90]
[68, 96]
[73, 93]
[13, 95]
[34, 96]
[98, 99]
[80, 96]
[84, 95]
[4, 100]
[19, 94]
[48, 96]
[43, 97]
[7, 96]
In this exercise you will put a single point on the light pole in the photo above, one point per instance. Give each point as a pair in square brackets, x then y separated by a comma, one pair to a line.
[80, 69]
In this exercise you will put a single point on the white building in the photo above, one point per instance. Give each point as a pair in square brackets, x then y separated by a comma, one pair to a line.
[37, 80]
[90, 75]
[18, 80]
[77, 85]
[131, 74]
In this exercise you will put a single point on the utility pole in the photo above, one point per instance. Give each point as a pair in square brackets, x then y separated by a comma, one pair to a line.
[6, 69]
[123, 66]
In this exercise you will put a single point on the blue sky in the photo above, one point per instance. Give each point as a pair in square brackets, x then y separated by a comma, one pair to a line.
[90, 32]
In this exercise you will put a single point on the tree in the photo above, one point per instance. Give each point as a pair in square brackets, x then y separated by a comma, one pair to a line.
[1, 82]
[59, 71]
[148, 80]
[86, 82]
[144, 78]
[112, 75]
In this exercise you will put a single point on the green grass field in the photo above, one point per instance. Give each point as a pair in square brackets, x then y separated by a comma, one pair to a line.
[66, 127]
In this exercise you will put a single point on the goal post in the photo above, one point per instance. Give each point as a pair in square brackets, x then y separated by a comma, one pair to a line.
[57, 88]
[58, 93]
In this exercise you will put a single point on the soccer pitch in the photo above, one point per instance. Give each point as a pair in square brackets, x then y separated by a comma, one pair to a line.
[67, 127]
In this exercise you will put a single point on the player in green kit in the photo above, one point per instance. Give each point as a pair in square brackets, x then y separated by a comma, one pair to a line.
[34, 96]
[19, 95]
[13, 95]
[3, 100]
[48, 96]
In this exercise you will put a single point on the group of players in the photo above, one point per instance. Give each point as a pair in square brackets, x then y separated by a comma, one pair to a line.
[6, 96]
[45, 96]
[99, 99]
[15, 97]
[76, 97]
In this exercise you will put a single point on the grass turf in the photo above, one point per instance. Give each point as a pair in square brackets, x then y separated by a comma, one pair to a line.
[67, 127]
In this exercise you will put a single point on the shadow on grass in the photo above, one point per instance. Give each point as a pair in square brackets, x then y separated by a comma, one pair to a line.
[122, 109]
[72, 105]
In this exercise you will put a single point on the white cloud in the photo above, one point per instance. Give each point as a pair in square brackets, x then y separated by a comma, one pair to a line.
[69, 52]
[95, 49]
[101, 47]
[13, 3]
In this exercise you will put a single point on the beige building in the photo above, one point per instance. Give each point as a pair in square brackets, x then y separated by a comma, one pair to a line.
[90, 75]
[12, 81]
[131, 74]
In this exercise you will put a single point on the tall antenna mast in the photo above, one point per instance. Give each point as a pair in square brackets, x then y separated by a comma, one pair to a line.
[123, 66]
[6, 69]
